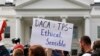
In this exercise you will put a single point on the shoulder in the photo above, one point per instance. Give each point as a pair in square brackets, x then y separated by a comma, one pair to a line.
[19, 46]
[3, 51]
[86, 54]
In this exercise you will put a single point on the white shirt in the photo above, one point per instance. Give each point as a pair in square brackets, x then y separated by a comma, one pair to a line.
[86, 54]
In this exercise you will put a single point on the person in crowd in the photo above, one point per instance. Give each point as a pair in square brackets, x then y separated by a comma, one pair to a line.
[36, 50]
[3, 49]
[26, 49]
[16, 42]
[18, 52]
[57, 53]
[66, 53]
[85, 45]
[96, 48]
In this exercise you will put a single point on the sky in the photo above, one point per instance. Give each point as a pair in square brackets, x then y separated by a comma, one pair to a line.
[94, 0]
[97, 0]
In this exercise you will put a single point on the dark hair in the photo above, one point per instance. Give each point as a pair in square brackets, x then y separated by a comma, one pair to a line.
[16, 40]
[86, 40]
[66, 53]
[96, 45]
[36, 50]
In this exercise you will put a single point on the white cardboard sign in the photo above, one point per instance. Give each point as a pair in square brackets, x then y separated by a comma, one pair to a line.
[52, 34]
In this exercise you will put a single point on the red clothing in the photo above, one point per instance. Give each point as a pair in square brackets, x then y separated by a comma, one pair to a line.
[18, 46]
[2, 28]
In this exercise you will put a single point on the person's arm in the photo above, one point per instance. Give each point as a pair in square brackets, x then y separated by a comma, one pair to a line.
[62, 52]
[48, 52]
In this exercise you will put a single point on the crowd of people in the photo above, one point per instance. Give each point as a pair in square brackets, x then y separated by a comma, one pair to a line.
[37, 50]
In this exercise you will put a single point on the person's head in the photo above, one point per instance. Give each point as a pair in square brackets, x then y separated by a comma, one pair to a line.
[15, 40]
[18, 52]
[36, 50]
[66, 53]
[85, 42]
[96, 45]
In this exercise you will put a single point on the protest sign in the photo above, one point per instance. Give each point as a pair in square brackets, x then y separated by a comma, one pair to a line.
[52, 34]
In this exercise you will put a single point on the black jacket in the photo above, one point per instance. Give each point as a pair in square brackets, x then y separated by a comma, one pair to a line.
[96, 52]
[4, 51]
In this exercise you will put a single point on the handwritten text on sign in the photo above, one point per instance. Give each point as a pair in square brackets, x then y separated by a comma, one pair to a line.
[52, 34]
